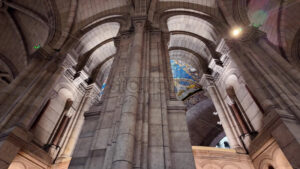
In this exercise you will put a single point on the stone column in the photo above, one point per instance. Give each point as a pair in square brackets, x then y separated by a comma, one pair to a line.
[123, 156]
[274, 85]
[208, 84]
[137, 125]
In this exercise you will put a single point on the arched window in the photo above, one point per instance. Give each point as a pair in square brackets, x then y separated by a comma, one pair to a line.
[63, 124]
[238, 112]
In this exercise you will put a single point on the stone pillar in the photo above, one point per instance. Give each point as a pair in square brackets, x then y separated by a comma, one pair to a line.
[21, 101]
[137, 125]
[123, 156]
[275, 84]
[208, 84]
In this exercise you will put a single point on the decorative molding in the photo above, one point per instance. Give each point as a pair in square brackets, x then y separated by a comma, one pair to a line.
[225, 60]
[68, 62]
[176, 105]
[223, 47]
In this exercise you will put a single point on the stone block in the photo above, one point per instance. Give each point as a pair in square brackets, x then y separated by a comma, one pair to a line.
[102, 137]
[121, 164]
[180, 142]
[282, 135]
[177, 122]
[78, 162]
[155, 135]
[97, 159]
[156, 158]
[89, 127]
[107, 120]
[155, 116]
[83, 147]
[111, 104]
[183, 161]
[8, 151]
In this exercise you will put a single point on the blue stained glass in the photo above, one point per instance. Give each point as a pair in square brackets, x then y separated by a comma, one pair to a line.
[184, 83]
[179, 71]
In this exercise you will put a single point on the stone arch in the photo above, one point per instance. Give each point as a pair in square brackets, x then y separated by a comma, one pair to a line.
[209, 9]
[102, 70]
[220, 26]
[75, 38]
[72, 94]
[209, 44]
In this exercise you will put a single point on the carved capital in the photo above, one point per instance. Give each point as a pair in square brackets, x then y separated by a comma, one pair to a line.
[93, 92]
[225, 46]
[225, 60]
[207, 81]
[68, 62]
[215, 65]
[139, 24]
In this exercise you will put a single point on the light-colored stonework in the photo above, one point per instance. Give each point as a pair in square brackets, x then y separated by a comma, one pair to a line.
[88, 84]
[216, 158]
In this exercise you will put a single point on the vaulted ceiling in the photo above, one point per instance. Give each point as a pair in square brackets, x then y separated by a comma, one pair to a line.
[86, 30]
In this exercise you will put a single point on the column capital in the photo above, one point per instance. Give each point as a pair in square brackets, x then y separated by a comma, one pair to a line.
[207, 81]
[225, 46]
[93, 92]
[68, 62]
[139, 23]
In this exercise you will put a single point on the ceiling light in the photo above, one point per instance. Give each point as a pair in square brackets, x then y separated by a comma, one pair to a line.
[236, 31]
